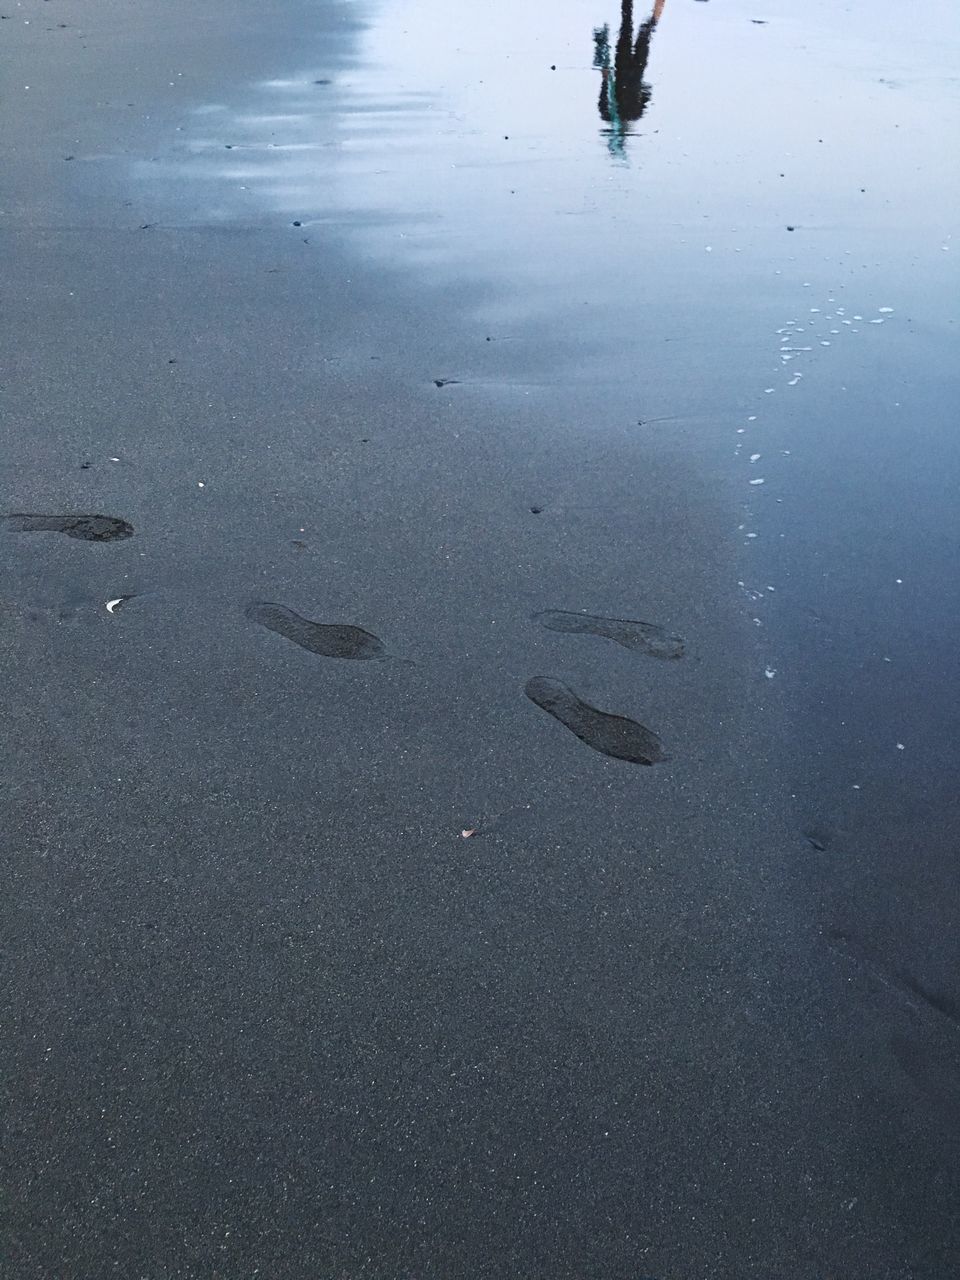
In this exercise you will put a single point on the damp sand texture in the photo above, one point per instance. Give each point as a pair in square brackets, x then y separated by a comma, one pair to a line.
[612, 735]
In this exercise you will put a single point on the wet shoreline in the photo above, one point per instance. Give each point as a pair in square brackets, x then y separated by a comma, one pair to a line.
[273, 1007]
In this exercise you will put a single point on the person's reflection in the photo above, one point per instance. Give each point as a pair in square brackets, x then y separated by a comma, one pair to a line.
[623, 93]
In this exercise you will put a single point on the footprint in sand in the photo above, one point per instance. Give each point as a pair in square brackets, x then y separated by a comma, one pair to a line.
[330, 640]
[612, 735]
[88, 528]
[642, 637]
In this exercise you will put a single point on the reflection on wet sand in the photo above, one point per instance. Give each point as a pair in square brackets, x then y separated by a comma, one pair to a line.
[624, 95]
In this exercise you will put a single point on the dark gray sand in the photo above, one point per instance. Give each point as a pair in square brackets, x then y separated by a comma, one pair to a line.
[266, 1011]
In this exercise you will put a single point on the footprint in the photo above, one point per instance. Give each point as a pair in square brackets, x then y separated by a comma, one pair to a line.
[612, 735]
[88, 528]
[330, 640]
[644, 637]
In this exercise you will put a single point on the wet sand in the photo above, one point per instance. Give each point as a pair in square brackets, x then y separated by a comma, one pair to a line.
[268, 1009]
